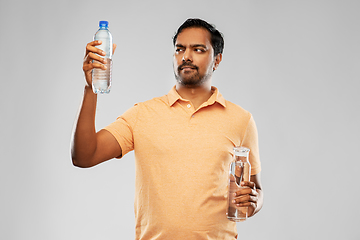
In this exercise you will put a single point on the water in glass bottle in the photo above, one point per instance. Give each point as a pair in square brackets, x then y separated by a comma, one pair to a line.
[240, 170]
[101, 79]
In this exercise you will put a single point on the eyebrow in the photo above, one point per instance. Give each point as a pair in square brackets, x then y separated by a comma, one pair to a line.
[193, 46]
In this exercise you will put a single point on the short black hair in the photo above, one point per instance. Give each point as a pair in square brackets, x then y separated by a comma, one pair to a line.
[217, 40]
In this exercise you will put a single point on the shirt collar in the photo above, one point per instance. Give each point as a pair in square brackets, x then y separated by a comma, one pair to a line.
[173, 96]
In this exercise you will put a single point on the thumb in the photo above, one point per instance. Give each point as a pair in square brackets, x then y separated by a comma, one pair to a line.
[114, 47]
[232, 178]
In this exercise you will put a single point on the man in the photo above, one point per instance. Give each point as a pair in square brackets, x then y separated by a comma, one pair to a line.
[183, 144]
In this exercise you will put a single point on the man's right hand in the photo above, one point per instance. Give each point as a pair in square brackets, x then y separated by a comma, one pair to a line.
[92, 53]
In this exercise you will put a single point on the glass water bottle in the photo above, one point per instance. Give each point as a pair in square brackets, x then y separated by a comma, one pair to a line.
[240, 170]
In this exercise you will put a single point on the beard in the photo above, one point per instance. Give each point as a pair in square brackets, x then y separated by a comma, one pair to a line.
[190, 79]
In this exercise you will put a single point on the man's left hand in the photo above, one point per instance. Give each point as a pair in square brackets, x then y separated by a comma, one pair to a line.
[247, 196]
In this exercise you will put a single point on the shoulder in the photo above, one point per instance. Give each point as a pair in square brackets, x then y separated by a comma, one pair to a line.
[151, 107]
[154, 102]
[237, 110]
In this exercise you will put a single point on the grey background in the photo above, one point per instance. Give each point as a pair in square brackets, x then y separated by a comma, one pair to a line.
[293, 64]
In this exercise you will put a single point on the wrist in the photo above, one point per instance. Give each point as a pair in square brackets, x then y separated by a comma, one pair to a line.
[88, 88]
[89, 91]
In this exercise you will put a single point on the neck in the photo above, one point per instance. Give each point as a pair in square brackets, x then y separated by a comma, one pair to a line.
[197, 95]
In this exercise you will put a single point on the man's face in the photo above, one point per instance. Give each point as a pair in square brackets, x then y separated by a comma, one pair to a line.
[194, 59]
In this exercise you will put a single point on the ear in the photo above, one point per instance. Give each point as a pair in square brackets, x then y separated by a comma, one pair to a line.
[217, 61]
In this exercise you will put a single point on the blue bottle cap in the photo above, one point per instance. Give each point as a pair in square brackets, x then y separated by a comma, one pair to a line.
[103, 24]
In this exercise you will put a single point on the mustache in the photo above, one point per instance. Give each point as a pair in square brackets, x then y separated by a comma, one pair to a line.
[187, 64]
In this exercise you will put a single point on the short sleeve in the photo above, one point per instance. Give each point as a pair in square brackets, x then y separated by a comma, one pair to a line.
[122, 129]
[250, 141]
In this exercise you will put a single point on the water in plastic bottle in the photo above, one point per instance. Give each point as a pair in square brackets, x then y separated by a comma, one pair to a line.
[101, 79]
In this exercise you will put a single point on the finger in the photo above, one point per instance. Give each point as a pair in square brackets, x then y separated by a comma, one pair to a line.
[251, 207]
[94, 43]
[238, 171]
[245, 200]
[93, 56]
[248, 205]
[246, 191]
[90, 47]
[97, 64]
[92, 65]
[90, 58]
[248, 184]
[114, 47]
[232, 178]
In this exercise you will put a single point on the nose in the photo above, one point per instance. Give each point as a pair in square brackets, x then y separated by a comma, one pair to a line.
[187, 57]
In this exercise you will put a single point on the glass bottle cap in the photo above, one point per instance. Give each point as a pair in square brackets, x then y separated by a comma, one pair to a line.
[241, 151]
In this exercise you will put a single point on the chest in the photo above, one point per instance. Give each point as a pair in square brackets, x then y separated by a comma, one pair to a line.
[208, 131]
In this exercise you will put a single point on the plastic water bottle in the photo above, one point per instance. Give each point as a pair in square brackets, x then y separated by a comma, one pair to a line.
[101, 79]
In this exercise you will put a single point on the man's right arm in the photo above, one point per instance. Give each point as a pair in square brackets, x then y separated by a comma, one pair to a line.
[89, 147]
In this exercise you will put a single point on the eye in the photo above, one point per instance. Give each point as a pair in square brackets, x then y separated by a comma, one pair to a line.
[178, 50]
[199, 50]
